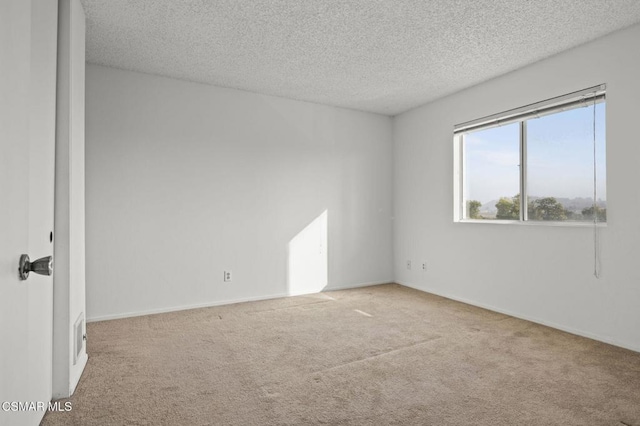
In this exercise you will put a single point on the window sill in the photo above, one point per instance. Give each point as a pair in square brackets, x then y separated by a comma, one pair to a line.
[535, 223]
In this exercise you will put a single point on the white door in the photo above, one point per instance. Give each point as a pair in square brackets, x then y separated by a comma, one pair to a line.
[28, 40]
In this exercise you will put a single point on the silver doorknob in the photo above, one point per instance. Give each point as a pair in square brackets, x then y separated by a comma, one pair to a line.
[42, 266]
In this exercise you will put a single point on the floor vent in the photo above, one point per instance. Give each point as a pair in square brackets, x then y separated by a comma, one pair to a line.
[78, 337]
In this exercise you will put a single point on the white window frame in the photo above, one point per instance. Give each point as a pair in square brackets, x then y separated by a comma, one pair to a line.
[582, 98]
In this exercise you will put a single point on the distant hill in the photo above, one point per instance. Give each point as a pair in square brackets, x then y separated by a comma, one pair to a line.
[576, 205]
[489, 208]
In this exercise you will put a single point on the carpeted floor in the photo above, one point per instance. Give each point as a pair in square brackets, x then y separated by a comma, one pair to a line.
[383, 355]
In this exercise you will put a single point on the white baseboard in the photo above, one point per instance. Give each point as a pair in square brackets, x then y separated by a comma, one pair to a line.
[222, 302]
[67, 389]
[185, 307]
[77, 371]
[570, 330]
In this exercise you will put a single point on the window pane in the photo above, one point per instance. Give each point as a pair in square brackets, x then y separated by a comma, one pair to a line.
[492, 174]
[560, 165]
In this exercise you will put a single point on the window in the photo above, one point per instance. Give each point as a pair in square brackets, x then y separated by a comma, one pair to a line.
[541, 163]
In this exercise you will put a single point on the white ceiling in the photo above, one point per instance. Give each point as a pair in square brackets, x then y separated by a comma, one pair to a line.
[384, 56]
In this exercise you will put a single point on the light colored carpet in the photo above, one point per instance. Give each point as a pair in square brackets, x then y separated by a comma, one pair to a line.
[383, 355]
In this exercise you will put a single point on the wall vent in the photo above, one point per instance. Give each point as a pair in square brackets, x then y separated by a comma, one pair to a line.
[78, 337]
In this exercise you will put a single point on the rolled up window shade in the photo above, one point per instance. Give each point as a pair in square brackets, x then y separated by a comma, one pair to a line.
[586, 97]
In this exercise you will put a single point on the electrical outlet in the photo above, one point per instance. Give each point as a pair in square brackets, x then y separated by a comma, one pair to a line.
[227, 276]
[408, 264]
[424, 266]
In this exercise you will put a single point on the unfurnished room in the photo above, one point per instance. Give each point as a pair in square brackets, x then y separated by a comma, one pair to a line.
[285, 212]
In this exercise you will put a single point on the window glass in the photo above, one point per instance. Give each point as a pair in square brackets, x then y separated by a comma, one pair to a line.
[492, 174]
[559, 177]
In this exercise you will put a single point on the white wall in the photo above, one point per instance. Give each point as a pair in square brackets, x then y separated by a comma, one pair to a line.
[69, 242]
[535, 272]
[184, 181]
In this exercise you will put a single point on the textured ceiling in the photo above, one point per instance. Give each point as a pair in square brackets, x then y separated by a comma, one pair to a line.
[384, 56]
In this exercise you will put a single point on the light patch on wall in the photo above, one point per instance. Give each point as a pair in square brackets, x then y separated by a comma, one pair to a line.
[307, 261]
